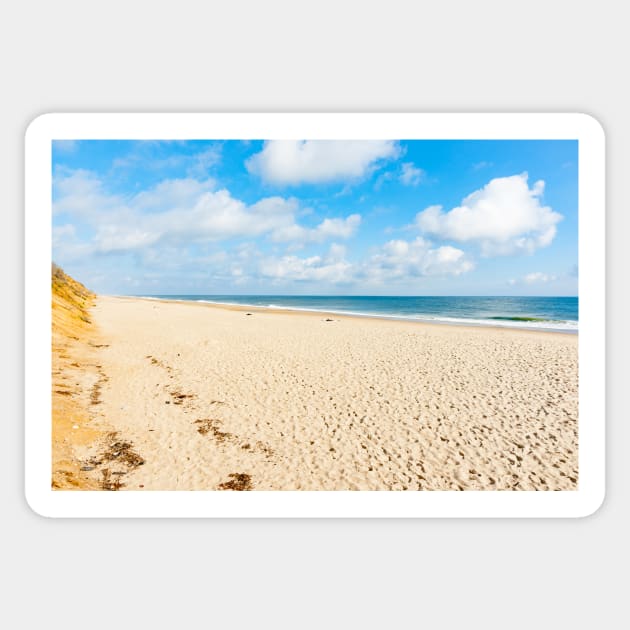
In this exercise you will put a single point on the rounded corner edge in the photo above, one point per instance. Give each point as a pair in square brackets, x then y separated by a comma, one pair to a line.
[592, 124]
[593, 504]
[37, 124]
[35, 506]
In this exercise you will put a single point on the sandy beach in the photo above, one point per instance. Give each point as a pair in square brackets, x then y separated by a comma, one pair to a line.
[200, 397]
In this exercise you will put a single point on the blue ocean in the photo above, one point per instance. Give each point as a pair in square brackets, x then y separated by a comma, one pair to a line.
[542, 313]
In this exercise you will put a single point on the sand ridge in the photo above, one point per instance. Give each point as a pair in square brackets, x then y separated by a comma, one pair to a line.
[214, 398]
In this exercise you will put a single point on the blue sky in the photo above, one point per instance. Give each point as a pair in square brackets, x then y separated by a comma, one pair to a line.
[365, 217]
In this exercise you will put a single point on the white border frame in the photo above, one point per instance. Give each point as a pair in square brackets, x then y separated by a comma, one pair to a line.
[38, 225]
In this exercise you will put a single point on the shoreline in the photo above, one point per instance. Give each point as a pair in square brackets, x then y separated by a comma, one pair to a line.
[212, 399]
[353, 315]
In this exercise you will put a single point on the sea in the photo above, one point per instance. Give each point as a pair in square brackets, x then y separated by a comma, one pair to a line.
[540, 313]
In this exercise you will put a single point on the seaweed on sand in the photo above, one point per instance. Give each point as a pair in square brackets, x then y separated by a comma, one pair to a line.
[121, 451]
[238, 481]
[210, 425]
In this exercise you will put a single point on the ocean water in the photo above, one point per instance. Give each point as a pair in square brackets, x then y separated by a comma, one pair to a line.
[542, 313]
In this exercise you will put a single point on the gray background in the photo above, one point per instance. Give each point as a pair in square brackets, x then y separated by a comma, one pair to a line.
[324, 56]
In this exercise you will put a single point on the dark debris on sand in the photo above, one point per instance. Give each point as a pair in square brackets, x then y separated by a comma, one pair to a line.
[210, 425]
[238, 481]
[117, 453]
[107, 483]
[179, 398]
[123, 452]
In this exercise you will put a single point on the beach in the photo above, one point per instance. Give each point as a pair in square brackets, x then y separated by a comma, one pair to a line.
[206, 397]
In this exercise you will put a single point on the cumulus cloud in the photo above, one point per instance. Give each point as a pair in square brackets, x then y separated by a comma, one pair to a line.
[209, 216]
[328, 228]
[400, 259]
[397, 261]
[410, 175]
[314, 269]
[113, 238]
[330, 269]
[172, 193]
[292, 162]
[178, 224]
[218, 215]
[80, 192]
[504, 217]
[183, 211]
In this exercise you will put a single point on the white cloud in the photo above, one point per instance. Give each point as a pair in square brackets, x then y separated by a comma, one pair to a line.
[61, 233]
[330, 269]
[383, 178]
[328, 228]
[172, 193]
[218, 215]
[400, 260]
[503, 217]
[113, 238]
[410, 175]
[202, 162]
[183, 211]
[295, 162]
[538, 277]
[395, 262]
[336, 252]
[80, 192]
[205, 216]
[160, 155]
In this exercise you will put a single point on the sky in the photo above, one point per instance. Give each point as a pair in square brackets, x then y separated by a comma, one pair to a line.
[317, 217]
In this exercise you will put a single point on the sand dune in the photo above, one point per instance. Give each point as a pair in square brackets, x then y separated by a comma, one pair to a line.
[75, 372]
[213, 398]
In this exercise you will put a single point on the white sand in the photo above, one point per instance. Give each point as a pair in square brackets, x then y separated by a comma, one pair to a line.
[296, 402]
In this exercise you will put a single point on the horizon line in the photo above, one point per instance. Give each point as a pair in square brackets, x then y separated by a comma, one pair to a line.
[325, 295]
